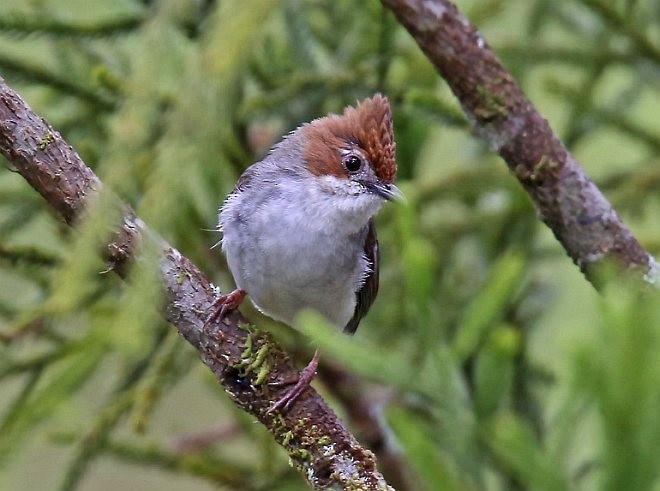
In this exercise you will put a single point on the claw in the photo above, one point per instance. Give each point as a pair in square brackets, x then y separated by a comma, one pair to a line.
[225, 304]
[300, 384]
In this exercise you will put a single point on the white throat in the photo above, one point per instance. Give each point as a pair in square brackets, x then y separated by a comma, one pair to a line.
[335, 204]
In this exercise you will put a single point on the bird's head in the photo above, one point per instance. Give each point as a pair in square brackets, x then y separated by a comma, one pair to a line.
[354, 153]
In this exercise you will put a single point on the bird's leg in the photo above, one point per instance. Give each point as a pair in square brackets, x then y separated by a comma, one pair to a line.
[300, 383]
[224, 304]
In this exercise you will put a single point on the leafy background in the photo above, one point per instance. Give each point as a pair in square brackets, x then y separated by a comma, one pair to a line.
[488, 359]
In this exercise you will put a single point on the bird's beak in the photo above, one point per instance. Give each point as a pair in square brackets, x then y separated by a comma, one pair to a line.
[387, 191]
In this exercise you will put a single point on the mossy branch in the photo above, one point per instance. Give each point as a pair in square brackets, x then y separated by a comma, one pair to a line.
[567, 200]
[317, 442]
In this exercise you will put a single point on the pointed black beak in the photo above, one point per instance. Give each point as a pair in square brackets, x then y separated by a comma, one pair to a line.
[387, 191]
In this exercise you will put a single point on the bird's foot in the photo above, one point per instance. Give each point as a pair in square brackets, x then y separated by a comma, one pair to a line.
[225, 304]
[300, 383]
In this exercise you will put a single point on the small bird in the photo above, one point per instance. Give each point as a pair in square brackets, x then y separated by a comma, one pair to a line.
[297, 229]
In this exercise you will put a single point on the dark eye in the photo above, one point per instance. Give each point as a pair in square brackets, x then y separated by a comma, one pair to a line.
[353, 163]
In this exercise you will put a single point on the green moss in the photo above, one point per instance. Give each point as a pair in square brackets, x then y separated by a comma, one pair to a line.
[545, 165]
[287, 438]
[261, 356]
[491, 104]
[254, 362]
[540, 170]
[247, 351]
[262, 376]
[324, 440]
[48, 138]
[179, 278]
[300, 454]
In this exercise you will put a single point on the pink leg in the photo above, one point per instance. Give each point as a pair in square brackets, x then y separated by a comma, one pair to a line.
[225, 304]
[299, 385]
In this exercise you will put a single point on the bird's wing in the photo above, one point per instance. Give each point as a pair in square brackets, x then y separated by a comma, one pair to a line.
[367, 294]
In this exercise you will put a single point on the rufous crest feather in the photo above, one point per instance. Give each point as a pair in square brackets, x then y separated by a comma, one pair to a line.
[368, 126]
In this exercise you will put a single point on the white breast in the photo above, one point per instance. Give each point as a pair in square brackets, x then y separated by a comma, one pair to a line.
[293, 247]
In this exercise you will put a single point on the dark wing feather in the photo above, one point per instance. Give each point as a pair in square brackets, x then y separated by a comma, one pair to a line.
[367, 294]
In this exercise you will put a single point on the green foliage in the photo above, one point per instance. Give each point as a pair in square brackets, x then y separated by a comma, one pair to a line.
[487, 361]
[515, 445]
[619, 373]
[424, 452]
[489, 304]
[40, 399]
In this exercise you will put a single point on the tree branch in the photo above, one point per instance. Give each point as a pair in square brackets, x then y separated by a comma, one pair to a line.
[317, 442]
[565, 197]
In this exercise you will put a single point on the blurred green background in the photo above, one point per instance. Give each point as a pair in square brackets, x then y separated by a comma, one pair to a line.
[487, 362]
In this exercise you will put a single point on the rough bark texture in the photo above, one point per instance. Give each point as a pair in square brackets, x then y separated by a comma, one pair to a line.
[242, 358]
[565, 197]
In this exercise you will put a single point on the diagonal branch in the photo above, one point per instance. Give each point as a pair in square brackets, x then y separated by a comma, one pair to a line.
[566, 199]
[243, 360]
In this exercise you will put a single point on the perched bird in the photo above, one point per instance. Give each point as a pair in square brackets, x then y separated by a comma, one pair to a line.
[298, 231]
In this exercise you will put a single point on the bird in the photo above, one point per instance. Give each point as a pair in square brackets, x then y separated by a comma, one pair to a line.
[298, 228]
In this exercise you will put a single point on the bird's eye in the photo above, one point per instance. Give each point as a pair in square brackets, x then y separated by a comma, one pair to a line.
[353, 163]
